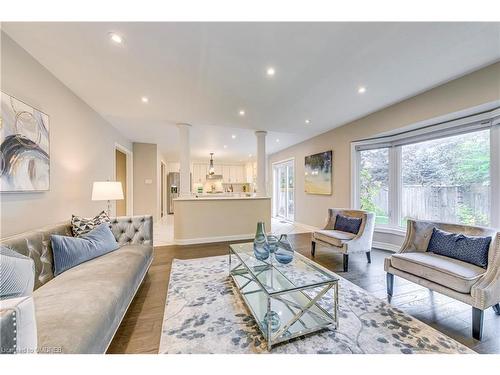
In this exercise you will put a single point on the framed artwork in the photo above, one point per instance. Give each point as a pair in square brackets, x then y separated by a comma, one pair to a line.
[24, 147]
[318, 173]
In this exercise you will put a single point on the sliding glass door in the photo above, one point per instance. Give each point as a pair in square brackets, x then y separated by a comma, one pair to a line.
[284, 190]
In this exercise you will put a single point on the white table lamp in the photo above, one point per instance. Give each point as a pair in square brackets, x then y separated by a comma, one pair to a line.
[107, 191]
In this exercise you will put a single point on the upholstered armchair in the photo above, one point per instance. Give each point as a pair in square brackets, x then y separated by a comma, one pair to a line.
[343, 242]
[471, 284]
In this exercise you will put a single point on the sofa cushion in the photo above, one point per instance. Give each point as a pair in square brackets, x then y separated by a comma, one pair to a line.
[347, 224]
[81, 225]
[72, 251]
[470, 249]
[449, 272]
[333, 237]
[17, 274]
[80, 310]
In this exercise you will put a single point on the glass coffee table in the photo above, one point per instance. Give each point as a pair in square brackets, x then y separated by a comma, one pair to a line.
[284, 299]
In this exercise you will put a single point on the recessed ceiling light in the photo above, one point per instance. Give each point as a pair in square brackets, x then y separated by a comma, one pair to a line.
[362, 90]
[308, 121]
[270, 71]
[225, 146]
[116, 38]
[144, 99]
[233, 136]
[242, 112]
[249, 155]
[277, 140]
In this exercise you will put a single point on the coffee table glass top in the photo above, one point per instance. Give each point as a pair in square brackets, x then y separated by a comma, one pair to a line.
[275, 278]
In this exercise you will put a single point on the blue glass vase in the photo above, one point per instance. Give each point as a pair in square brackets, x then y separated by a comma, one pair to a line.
[275, 320]
[284, 250]
[260, 247]
[272, 243]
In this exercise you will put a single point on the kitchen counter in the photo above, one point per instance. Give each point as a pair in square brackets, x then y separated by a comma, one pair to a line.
[219, 218]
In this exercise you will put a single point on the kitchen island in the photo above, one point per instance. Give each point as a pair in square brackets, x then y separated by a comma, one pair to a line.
[206, 219]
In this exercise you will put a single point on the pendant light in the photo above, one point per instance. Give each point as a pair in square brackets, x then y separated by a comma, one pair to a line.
[211, 170]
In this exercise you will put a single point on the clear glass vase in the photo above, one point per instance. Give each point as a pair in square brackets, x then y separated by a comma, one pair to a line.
[260, 246]
[284, 251]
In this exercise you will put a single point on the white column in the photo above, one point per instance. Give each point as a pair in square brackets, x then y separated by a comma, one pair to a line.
[184, 160]
[261, 163]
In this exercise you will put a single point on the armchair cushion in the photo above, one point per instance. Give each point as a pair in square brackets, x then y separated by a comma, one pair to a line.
[333, 237]
[470, 249]
[347, 224]
[451, 273]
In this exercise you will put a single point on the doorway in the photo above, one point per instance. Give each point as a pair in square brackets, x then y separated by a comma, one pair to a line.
[123, 174]
[284, 190]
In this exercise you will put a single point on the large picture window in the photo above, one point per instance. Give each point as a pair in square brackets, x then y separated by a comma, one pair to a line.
[446, 173]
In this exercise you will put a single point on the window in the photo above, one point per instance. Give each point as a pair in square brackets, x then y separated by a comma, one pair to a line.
[447, 179]
[446, 172]
[374, 183]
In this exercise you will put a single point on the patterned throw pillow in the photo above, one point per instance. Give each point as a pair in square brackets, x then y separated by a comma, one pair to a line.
[470, 249]
[82, 225]
[347, 224]
[17, 274]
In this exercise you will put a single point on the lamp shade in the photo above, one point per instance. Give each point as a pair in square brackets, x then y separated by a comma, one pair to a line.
[107, 191]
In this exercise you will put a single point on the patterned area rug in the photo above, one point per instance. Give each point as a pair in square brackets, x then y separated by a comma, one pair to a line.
[205, 314]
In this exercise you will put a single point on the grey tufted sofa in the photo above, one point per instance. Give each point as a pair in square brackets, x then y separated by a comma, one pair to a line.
[465, 282]
[80, 310]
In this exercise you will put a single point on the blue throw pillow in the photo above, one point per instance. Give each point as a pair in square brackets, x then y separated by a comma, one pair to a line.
[17, 274]
[470, 249]
[69, 252]
[347, 224]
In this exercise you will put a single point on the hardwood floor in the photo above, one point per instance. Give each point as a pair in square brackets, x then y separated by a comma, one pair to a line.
[141, 328]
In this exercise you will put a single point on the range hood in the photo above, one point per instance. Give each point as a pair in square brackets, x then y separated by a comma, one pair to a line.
[212, 177]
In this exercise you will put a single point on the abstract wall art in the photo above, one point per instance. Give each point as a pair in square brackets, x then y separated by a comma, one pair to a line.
[24, 147]
[318, 173]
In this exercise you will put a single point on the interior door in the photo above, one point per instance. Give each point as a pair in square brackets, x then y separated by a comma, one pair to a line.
[284, 190]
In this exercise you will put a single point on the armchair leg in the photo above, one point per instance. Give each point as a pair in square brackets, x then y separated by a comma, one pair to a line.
[390, 284]
[346, 262]
[496, 308]
[477, 323]
[313, 248]
[369, 256]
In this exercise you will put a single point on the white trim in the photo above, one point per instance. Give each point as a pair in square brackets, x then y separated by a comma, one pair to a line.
[495, 175]
[273, 165]
[130, 176]
[354, 177]
[200, 240]
[385, 246]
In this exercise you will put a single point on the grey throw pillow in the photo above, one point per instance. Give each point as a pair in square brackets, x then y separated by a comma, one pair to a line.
[81, 225]
[17, 274]
[69, 252]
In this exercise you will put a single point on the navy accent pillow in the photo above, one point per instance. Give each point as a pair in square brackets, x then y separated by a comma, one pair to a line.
[470, 249]
[347, 224]
[69, 252]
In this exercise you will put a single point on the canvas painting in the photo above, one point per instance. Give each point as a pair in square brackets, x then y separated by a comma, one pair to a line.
[24, 147]
[318, 173]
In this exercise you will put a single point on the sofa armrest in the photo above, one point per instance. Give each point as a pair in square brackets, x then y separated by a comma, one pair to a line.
[133, 230]
[18, 326]
[486, 292]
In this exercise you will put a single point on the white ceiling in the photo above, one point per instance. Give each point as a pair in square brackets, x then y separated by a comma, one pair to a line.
[204, 73]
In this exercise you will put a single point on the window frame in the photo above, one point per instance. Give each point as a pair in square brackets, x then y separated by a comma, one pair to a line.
[437, 130]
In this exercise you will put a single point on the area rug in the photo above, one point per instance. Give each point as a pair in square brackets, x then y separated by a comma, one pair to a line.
[205, 314]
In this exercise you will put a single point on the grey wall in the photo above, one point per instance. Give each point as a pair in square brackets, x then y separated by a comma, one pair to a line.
[81, 146]
[477, 88]
[146, 164]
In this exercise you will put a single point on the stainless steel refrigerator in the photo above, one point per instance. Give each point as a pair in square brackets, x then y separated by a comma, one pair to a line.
[173, 181]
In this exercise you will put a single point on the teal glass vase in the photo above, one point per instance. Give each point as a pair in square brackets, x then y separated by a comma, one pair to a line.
[284, 251]
[260, 246]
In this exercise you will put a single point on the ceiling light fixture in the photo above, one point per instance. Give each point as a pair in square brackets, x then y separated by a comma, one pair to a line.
[116, 38]
[362, 90]
[233, 136]
[242, 112]
[225, 146]
[211, 169]
[277, 140]
[271, 71]
[308, 121]
[249, 155]
[144, 99]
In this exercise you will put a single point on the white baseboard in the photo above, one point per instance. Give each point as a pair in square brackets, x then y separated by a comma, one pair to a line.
[200, 240]
[385, 246]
